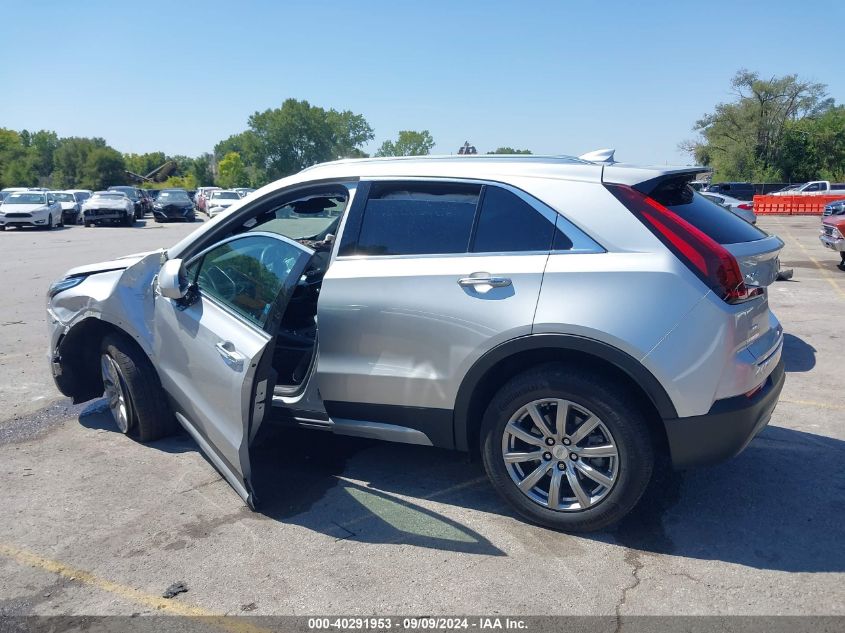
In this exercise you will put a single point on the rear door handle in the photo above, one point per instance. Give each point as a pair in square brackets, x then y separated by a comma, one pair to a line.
[233, 358]
[483, 279]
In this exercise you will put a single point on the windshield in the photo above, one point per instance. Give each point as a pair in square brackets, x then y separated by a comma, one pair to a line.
[82, 195]
[225, 195]
[64, 197]
[308, 220]
[25, 198]
[173, 196]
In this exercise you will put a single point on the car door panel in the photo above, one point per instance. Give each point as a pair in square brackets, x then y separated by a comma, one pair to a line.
[216, 367]
[401, 331]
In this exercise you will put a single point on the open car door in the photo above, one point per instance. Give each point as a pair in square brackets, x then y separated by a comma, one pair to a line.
[215, 346]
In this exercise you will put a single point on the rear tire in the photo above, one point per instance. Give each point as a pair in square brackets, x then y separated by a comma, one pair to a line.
[136, 398]
[621, 432]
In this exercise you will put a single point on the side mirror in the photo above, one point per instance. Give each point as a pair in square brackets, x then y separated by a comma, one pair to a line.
[173, 280]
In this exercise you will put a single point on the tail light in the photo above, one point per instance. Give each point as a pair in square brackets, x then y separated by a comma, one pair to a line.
[745, 206]
[705, 257]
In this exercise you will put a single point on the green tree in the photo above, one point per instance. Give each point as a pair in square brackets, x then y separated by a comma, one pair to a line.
[201, 171]
[70, 159]
[231, 171]
[103, 167]
[509, 150]
[743, 139]
[814, 148]
[11, 149]
[409, 143]
[42, 146]
[143, 164]
[285, 140]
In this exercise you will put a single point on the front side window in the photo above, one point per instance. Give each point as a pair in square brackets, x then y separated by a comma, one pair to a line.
[247, 274]
[416, 218]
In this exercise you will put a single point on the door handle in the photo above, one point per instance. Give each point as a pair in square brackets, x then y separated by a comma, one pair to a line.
[483, 279]
[227, 350]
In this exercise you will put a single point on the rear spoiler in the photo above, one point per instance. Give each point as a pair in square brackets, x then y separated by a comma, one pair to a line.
[646, 179]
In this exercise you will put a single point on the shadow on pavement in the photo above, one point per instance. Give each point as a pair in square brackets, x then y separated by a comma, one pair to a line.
[798, 356]
[293, 470]
[96, 415]
[778, 506]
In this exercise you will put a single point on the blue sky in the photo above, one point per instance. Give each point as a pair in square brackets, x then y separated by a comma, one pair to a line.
[555, 77]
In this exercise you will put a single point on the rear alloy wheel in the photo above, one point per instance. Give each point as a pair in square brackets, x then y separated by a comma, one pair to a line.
[568, 449]
[573, 463]
[132, 389]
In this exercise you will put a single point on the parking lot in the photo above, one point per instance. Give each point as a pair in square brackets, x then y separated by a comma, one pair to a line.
[94, 523]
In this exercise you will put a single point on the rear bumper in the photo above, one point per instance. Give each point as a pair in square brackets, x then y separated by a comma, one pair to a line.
[726, 429]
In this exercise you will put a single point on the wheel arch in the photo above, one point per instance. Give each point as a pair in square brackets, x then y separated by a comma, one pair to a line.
[498, 365]
[78, 355]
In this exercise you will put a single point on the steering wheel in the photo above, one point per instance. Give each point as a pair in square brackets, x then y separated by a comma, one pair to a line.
[220, 283]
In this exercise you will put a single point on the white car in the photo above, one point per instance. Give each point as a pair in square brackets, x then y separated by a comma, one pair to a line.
[30, 208]
[220, 200]
[70, 206]
[740, 208]
[108, 206]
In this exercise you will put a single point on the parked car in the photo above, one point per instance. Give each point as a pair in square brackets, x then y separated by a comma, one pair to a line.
[220, 200]
[141, 202]
[464, 304]
[738, 190]
[30, 208]
[243, 192]
[814, 187]
[70, 206]
[741, 208]
[112, 206]
[203, 193]
[81, 195]
[837, 207]
[832, 234]
[173, 204]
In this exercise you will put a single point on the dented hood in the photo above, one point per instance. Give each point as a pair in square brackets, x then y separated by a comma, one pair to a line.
[120, 263]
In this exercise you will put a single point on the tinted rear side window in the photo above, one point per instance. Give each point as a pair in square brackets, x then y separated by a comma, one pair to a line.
[418, 218]
[710, 218]
[509, 224]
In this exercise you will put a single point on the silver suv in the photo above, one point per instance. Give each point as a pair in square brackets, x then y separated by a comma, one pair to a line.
[571, 321]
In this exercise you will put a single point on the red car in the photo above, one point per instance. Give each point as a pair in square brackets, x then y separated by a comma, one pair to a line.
[833, 234]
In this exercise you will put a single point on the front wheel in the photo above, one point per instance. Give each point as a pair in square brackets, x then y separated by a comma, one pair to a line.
[566, 448]
[133, 391]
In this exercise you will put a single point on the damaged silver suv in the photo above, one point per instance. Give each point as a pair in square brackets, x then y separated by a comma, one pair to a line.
[570, 320]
